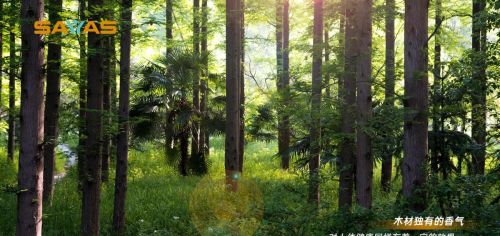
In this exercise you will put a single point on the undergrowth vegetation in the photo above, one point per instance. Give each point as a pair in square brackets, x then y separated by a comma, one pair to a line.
[158, 198]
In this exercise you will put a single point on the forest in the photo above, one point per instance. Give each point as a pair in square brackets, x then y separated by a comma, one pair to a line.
[234, 117]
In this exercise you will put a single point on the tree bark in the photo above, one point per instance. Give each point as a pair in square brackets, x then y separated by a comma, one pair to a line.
[364, 165]
[106, 103]
[242, 88]
[415, 103]
[169, 126]
[348, 96]
[285, 126]
[114, 95]
[234, 30]
[328, 91]
[195, 130]
[314, 163]
[92, 172]
[437, 119]
[1, 52]
[52, 100]
[30, 174]
[204, 135]
[282, 35]
[82, 87]
[390, 38]
[479, 90]
[123, 133]
[341, 49]
[11, 140]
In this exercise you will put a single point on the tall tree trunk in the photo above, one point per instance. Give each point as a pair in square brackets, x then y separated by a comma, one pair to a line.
[390, 38]
[123, 116]
[92, 172]
[284, 125]
[30, 175]
[285, 128]
[416, 103]
[348, 96]
[52, 101]
[364, 165]
[195, 130]
[234, 30]
[279, 53]
[1, 51]
[114, 87]
[341, 49]
[82, 87]
[11, 140]
[204, 135]
[169, 125]
[315, 136]
[437, 120]
[479, 91]
[108, 99]
[106, 103]
[282, 32]
[242, 88]
[114, 99]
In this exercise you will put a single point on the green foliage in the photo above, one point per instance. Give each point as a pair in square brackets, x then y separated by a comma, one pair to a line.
[263, 125]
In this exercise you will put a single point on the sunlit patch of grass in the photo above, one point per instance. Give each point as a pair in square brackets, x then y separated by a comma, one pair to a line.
[158, 198]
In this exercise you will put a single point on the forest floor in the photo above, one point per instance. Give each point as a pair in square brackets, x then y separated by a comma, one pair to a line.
[159, 200]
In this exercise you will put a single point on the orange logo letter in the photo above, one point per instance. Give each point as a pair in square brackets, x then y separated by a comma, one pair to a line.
[91, 27]
[108, 27]
[60, 27]
[42, 27]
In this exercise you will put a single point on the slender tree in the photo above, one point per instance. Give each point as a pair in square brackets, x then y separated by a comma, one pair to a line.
[123, 134]
[364, 165]
[317, 78]
[82, 87]
[415, 103]
[92, 172]
[242, 88]
[279, 64]
[341, 47]
[52, 101]
[11, 140]
[233, 80]
[390, 13]
[437, 118]
[479, 90]
[282, 36]
[114, 87]
[107, 98]
[284, 144]
[30, 175]
[204, 135]
[169, 127]
[348, 97]
[1, 51]
[195, 129]
[106, 105]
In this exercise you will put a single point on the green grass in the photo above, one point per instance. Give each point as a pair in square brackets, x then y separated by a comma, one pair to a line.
[158, 198]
